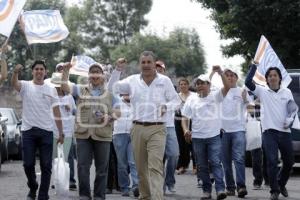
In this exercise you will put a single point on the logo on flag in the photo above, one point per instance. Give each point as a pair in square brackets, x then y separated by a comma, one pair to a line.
[9, 13]
[44, 26]
[266, 57]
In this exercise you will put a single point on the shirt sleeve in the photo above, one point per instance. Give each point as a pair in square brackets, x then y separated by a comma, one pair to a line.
[187, 110]
[24, 85]
[218, 95]
[115, 76]
[122, 87]
[173, 99]
[258, 90]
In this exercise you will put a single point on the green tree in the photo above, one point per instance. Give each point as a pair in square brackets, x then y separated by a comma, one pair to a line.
[181, 51]
[245, 21]
[112, 22]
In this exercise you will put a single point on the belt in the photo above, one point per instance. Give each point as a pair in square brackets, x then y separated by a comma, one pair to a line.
[148, 123]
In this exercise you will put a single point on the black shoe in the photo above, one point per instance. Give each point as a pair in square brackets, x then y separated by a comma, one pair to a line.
[284, 191]
[242, 192]
[221, 195]
[136, 192]
[73, 187]
[274, 196]
[230, 193]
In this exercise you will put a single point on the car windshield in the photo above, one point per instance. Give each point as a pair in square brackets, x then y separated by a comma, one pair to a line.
[294, 86]
[9, 115]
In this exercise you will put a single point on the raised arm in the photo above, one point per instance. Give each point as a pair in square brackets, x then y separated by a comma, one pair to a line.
[248, 81]
[14, 79]
[65, 78]
[116, 74]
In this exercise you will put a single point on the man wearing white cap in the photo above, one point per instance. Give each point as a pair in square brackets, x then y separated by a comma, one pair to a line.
[93, 129]
[172, 148]
[204, 109]
[234, 109]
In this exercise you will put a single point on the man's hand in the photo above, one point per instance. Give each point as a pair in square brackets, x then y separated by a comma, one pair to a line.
[18, 68]
[217, 69]
[67, 66]
[61, 138]
[162, 110]
[121, 63]
[288, 122]
[188, 136]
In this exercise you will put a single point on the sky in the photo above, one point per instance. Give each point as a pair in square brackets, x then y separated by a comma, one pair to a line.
[165, 15]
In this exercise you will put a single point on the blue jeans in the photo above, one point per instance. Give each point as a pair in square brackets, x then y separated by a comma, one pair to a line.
[273, 141]
[205, 150]
[42, 140]
[124, 152]
[87, 149]
[233, 149]
[171, 156]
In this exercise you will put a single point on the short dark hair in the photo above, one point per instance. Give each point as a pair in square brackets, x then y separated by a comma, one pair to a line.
[148, 53]
[278, 72]
[38, 62]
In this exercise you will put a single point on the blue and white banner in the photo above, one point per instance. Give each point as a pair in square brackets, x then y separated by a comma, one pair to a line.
[44, 26]
[9, 13]
[81, 65]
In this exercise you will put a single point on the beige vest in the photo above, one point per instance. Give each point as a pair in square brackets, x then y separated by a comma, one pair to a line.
[87, 124]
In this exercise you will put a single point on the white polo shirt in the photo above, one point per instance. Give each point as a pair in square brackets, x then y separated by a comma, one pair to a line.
[147, 100]
[205, 114]
[234, 111]
[273, 107]
[38, 102]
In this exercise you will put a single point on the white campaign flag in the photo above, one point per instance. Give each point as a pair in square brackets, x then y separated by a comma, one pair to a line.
[9, 13]
[81, 64]
[266, 57]
[44, 26]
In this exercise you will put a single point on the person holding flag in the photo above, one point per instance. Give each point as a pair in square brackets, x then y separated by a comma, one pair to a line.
[276, 120]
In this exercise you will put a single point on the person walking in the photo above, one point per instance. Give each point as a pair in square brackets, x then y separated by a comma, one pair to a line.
[276, 121]
[39, 102]
[151, 95]
[172, 148]
[123, 148]
[234, 112]
[93, 129]
[204, 110]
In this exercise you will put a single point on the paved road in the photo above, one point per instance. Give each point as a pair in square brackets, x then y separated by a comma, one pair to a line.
[13, 186]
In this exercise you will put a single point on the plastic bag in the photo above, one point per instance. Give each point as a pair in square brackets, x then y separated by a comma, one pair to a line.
[61, 173]
[253, 134]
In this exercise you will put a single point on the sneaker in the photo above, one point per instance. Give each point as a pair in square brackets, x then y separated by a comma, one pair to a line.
[136, 192]
[230, 193]
[171, 189]
[125, 194]
[242, 192]
[73, 187]
[221, 195]
[206, 195]
[284, 191]
[274, 196]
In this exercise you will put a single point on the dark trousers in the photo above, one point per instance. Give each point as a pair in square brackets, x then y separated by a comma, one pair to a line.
[41, 140]
[273, 141]
[259, 166]
[185, 149]
[112, 181]
[87, 149]
[72, 156]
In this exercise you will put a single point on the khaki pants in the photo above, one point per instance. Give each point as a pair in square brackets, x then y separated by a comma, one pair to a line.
[148, 148]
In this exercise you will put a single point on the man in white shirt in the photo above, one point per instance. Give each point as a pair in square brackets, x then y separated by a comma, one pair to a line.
[39, 102]
[204, 109]
[151, 95]
[234, 112]
[172, 148]
[275, 122]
